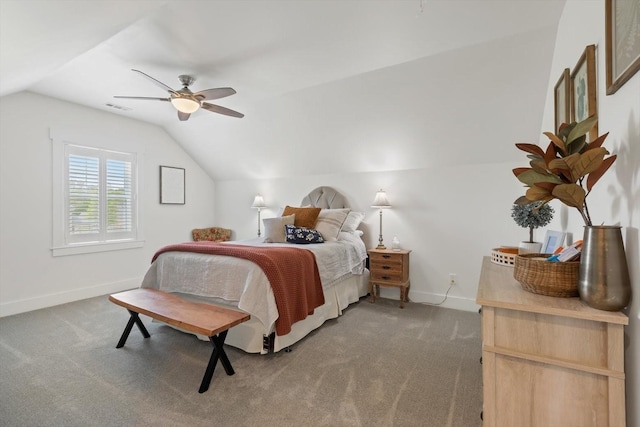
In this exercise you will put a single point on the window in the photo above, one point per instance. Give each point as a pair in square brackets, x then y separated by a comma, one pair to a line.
[95, 199]
[100, 204]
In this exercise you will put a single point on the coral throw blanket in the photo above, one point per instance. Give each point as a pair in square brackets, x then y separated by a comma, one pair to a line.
[292, 273]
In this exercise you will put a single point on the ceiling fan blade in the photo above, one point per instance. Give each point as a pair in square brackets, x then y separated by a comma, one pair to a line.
[148, 98]
[183, 116]
[216, 93]
[221, 110]
[157, 82]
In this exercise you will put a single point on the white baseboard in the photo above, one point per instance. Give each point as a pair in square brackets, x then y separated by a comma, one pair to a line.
[50, 300]
[454, 302]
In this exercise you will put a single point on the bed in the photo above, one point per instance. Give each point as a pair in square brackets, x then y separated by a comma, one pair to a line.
[211, 275]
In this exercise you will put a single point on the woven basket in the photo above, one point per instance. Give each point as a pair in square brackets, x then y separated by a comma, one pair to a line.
[539, 276]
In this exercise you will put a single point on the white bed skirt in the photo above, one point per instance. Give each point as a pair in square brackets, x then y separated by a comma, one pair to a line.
[248, 336]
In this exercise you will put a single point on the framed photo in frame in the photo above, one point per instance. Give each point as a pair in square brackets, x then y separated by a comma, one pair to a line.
[583, 89]
[172, 185]
[562, 98]
[622, 44]
[552, 241]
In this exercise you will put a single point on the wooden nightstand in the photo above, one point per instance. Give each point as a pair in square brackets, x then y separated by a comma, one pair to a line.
[389, 268]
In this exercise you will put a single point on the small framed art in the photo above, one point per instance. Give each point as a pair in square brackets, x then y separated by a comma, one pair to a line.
[552, 241]
[622, 44]
[583, 89]
[172, 185]
[561, 98]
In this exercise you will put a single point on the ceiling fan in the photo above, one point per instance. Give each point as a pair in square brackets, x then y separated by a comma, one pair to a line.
[188, 102]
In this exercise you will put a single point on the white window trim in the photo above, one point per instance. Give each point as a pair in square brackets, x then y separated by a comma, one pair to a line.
[60, 137]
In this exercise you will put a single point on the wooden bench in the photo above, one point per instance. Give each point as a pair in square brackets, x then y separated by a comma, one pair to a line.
[199, 318]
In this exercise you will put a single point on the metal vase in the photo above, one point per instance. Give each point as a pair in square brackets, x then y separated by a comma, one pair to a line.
[603, 281]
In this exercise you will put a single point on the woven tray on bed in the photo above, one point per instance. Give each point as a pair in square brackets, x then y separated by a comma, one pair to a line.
[539, 276]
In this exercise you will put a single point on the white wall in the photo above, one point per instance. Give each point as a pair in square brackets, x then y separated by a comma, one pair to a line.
[465, 106]
[435, 212]
[437, 134]
[30, 277]
[616, 198]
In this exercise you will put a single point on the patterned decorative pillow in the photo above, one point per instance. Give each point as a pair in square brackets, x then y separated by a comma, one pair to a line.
[329, 223]
[215, 234]
[302, 236]
[305, 217]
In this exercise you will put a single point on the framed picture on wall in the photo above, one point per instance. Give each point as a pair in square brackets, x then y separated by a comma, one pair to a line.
[583, 89]
[172, 185]
[622, 42]
[561, 98]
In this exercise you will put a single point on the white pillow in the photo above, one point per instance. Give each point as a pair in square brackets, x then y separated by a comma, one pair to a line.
[329, 223]
[352, 222]
[274, 228]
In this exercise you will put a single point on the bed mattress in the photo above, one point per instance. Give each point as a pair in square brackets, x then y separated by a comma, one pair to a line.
[241, 283]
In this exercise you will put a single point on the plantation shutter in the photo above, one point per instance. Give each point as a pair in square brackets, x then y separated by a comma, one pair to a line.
[99, 195]
[119, 200]
[84, 196]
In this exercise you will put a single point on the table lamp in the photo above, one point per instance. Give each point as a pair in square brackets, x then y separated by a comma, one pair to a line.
[258, 203]
[380, 202]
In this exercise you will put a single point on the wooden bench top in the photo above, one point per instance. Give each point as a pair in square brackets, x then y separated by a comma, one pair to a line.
[199, 318]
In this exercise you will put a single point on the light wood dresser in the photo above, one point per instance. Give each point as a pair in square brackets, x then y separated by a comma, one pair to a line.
[548, 361]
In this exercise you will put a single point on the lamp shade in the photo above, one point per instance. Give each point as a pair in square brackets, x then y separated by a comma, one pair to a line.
[185, 105]
[381, 200]
[258, 202]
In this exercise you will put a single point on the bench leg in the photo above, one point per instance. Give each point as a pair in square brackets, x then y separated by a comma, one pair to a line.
[218, 353]
[135, 318]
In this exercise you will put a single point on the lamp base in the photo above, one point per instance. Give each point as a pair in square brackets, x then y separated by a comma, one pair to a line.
[381, 246]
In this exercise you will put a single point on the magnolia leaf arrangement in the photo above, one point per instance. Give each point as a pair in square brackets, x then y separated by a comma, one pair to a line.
[532, 215]
[567, 170]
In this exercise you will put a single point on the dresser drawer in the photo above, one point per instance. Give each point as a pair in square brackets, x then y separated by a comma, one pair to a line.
[385, 259]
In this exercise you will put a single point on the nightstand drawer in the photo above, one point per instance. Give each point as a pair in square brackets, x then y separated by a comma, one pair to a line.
[385, 258]
[386, 276]
[386, 268]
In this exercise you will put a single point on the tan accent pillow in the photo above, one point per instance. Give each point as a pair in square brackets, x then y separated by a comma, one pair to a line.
[329, 223]
[305, 217]
[274, 228]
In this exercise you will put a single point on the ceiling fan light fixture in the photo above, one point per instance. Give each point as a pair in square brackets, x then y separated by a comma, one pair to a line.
[185, 105]
[187, 102]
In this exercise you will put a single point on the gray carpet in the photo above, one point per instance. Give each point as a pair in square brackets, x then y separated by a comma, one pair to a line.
[377, 365]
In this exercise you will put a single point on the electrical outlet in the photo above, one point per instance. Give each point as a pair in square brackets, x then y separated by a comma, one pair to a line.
[453, 279]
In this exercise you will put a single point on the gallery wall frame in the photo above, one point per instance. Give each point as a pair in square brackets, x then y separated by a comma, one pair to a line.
[562, 99]
[583, 89]
[622, 44]
[172, 185]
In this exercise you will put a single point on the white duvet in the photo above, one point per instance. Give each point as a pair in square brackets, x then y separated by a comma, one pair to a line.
[241, 282]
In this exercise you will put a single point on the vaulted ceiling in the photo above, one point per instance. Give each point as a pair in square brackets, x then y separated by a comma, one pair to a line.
[83, 52]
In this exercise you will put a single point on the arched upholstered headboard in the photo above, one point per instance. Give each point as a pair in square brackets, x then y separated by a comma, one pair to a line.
[325, 198]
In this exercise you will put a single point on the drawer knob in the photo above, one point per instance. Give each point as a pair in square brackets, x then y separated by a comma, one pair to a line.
[386, 256]
[385, 267]
[386, 277]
